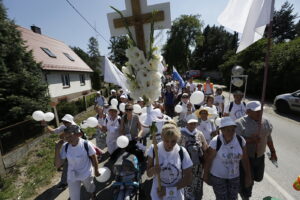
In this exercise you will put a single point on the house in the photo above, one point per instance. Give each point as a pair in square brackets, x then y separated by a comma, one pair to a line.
[66, 74]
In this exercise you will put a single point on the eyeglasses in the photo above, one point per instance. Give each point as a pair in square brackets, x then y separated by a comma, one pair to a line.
[129, 109]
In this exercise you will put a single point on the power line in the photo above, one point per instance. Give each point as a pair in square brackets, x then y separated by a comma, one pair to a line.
[86, 21]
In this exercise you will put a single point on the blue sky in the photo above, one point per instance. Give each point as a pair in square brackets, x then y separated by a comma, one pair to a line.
[58, 20]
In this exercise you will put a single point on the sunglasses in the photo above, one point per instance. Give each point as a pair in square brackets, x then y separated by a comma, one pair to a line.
[129, 109]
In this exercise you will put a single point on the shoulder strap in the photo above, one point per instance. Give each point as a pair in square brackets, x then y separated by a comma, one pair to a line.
[240, 140]
[219, 143]
[66, 147]
[244, 103]
[230, 106]
[86, 147]
[181, 155]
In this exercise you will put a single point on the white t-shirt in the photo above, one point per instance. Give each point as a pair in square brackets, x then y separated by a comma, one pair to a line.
[79, 164]
[171, 166]
[192, 87]
[220, 100]
[208, 89]
[226, 164]
[183, 115]
[206, 127]
[237, 111]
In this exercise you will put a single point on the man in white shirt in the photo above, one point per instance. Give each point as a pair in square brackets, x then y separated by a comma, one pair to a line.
[236, 109]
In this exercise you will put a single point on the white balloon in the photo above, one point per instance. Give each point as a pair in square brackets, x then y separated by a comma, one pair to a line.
[49, 116]
[178, 108]
[84, 125]
[137, 109]
[122, 141]
[237, 82]
[114, 102]
[122, 107]
[92, 122]
[105, 174]
[197, 97]
[237, 70]
[38, 115]
[218, 121]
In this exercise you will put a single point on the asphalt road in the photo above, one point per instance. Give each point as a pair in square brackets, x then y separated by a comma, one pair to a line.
[277, 182]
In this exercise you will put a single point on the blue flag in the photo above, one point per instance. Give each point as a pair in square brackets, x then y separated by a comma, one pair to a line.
[177, 77]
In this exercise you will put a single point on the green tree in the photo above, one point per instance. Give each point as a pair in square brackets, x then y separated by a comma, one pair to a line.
[210, 53]
[22, 89]
[117, 47]
[298, 29]
[95, 62]
[184, 34]
[82, 54]
[284, 23]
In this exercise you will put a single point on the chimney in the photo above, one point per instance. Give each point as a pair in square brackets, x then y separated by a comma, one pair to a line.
[36, 29]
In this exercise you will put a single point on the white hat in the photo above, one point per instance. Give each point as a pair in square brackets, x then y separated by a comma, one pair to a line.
[112, 107]
[226, 121]
[113, 91]
[68, 118]
[123, 96]
[192, 119]
[140, 99]
[98, 92]
[253, 105]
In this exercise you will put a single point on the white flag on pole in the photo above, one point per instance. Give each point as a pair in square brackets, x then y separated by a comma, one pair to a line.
[248, 17]
[113, 75]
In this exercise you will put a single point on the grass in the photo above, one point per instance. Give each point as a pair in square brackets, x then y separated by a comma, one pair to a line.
[36, 169]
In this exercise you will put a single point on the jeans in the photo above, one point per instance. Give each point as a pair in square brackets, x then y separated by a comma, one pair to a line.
[225, 189]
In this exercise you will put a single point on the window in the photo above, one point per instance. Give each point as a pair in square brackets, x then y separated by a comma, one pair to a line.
[48, 52]
[82, 79]
[68, 56]
[65, 78]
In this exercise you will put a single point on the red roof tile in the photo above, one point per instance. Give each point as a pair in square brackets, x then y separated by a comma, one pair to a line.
[35, 41]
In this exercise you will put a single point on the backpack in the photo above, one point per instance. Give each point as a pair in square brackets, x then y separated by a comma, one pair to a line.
[194, 149]
[231, 105]
[219, 142]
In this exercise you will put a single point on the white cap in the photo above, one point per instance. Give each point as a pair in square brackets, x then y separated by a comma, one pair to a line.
[112, 107]
[68, 118]
[140, 99]
[123, 96]
[253, 105]
[226, 121]
[113, 90]
[98, 92]
[192, 119]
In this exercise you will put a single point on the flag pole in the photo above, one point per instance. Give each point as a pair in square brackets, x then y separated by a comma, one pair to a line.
[266, 69]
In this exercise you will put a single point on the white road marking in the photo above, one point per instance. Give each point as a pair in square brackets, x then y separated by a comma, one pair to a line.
[278, 187]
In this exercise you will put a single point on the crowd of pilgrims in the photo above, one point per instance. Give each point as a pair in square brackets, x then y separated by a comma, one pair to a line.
[192, 147]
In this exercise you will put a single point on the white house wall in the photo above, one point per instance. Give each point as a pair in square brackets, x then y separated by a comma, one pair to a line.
[56, 88]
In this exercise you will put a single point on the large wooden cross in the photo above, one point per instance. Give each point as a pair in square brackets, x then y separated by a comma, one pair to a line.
[138, 16]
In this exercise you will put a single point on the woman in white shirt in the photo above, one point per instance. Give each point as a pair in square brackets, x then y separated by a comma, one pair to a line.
[222, 164]
[174, 167]
[206, 126]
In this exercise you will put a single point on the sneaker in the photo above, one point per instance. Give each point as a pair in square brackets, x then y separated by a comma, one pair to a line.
[61, 186]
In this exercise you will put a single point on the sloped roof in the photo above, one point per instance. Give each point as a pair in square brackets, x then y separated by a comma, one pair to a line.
[35, 42]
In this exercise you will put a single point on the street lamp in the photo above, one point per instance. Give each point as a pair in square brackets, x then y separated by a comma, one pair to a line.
[238, 78]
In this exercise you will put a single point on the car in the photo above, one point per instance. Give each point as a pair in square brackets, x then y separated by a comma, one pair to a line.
[285, 103]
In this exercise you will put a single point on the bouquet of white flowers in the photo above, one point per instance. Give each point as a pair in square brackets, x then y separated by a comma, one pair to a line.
[142, 71]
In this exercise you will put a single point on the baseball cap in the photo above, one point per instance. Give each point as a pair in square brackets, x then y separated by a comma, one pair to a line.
[123, 96]
[253, 105]
[226, 121]
[192, 119]
[112, 107]
[113, 91]
[185, 95]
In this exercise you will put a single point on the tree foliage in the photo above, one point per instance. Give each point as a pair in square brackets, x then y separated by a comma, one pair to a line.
[22, 89]
[95, 62]
[185, 33]
[216, 44]
[284, 27]
[117, 47]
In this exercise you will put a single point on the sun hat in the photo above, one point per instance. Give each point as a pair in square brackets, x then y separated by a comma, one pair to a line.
[197, 112]
[68, 118]
[253, 105]
[226, 121]
[192, 119]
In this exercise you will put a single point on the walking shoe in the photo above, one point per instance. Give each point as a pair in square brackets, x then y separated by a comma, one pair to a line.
[61, 186]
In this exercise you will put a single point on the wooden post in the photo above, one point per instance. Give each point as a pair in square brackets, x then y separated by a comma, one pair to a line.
[53, 105]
